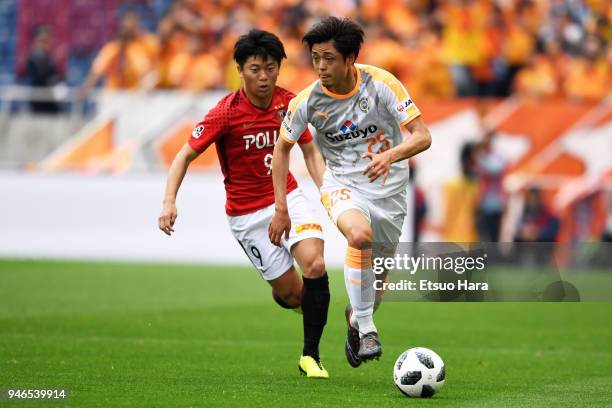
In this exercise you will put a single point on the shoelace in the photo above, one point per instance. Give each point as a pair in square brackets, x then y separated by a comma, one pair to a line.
[370, 340]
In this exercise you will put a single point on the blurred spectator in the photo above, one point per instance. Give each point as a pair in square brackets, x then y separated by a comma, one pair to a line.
[537, 223]
[125, 62]
[560, 63]
[424, 72]
[195, 69]
[491, 71]
[171, 42]
[581, 204]
[606, 236]
[588, 76]
[537, 80]
[41, 70]
[464, 27]
[517, 47]
[188, 15]
[419, 204]
[490, 168]
[461, 198]
[296, 72]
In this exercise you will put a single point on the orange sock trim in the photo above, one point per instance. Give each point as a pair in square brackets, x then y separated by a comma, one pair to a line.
[358, 258]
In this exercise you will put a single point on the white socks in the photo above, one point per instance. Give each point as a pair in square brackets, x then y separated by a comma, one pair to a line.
[360, 289]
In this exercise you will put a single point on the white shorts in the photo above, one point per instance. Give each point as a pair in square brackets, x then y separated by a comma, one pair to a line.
[385, 215]
[251, 231]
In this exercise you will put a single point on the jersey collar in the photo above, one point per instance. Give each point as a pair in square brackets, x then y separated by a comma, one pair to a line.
[244, 95]
[348, 95]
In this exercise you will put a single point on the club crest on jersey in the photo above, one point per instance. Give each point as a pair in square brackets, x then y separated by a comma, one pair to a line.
[348, 126]
[364, 104]
[281, 113]
[197, 131]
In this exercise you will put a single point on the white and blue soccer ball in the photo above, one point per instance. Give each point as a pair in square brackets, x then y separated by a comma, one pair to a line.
[419, 372]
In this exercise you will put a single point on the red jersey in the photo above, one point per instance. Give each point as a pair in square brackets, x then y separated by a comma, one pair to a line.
[244, 136]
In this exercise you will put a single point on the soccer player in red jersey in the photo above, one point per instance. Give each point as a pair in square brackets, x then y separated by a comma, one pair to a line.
[244, 127]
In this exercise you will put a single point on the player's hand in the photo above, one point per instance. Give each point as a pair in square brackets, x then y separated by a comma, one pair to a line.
[167, 217]
[379, 166]
[279, 225]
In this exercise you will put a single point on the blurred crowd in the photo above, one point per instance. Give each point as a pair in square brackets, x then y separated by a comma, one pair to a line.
[439, 49]
[477, 207]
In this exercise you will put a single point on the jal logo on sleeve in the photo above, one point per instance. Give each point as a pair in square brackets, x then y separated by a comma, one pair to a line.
[403, 105]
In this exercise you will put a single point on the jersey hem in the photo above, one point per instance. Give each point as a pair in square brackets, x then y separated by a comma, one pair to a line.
[250, 211]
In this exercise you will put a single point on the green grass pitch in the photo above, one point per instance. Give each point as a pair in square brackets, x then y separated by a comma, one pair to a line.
[202, 336]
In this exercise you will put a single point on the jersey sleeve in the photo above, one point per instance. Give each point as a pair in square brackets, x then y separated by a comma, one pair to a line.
[210, 129]
[397, 100]
[295, 124]
[306, 136]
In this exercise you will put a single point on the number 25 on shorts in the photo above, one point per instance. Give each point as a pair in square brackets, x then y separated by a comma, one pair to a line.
[330, 199]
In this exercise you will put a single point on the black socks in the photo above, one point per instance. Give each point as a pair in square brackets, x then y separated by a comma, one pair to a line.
[315, 303]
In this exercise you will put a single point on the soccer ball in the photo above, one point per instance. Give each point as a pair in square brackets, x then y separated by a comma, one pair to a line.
[419, 372]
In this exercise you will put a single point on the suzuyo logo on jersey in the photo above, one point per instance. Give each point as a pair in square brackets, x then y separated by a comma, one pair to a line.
[349, 130]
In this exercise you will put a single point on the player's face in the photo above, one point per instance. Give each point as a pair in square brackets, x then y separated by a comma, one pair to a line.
[329, 64]
[259, 76]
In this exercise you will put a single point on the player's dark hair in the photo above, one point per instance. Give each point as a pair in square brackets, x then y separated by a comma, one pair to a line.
[345, 35]
[258, 43]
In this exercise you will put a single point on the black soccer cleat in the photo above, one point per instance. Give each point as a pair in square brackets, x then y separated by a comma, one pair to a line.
[351, 346]
[370, 347]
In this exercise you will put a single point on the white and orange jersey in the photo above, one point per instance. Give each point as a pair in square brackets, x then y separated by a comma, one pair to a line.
[369, 118]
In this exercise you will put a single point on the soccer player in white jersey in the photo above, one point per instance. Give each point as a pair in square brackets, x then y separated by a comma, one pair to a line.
[358, 112]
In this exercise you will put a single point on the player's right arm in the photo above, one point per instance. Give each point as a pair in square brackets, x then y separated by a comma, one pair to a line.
[203, 135]
[314, 162]
[293, 126]
[175, 177]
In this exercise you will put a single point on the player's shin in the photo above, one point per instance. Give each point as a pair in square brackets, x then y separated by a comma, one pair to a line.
[359, 281]
[315, 304]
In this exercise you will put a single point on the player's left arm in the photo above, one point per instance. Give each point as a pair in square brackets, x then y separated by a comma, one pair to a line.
[293, 128]
[418, 141]
[280, 225]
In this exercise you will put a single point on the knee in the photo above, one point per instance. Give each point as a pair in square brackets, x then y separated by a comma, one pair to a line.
[359, 237]
[315, 268]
